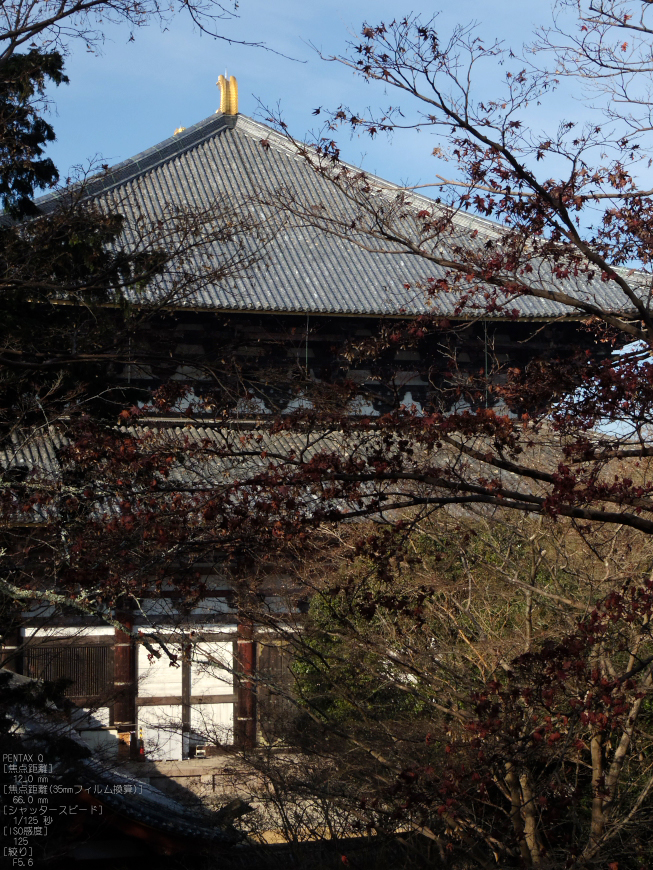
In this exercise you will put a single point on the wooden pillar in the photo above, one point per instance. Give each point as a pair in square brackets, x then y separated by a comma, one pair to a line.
[124, 674]
[245, 724]
[186, 658]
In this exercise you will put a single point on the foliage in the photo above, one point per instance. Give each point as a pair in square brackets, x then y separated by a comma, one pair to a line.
[536, 756]
[24, 133]
[491, 695]
[482, 680]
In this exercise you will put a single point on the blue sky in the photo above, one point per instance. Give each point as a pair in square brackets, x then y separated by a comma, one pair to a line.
[135, 93]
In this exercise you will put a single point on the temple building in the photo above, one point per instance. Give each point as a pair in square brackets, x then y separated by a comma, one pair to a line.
[280, 303]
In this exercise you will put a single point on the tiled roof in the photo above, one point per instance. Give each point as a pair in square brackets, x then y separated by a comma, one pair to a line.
[303, 270]
[214, 454]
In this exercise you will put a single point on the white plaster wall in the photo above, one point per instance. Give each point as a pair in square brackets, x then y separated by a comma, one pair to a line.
[161, 730]
[71, 631]
[85, 717]
[157, 677]
[210, 669]
[215, 722]
[103, 744]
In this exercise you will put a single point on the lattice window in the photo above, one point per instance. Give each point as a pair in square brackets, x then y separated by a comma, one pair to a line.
[89, 667]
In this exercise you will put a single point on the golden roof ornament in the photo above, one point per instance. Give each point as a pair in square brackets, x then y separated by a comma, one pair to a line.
[228, 95]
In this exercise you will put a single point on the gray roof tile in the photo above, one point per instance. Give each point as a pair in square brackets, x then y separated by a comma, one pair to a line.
[303, 270]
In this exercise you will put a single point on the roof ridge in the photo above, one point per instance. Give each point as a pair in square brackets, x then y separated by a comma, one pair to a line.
[145, 160]
[191, 137]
